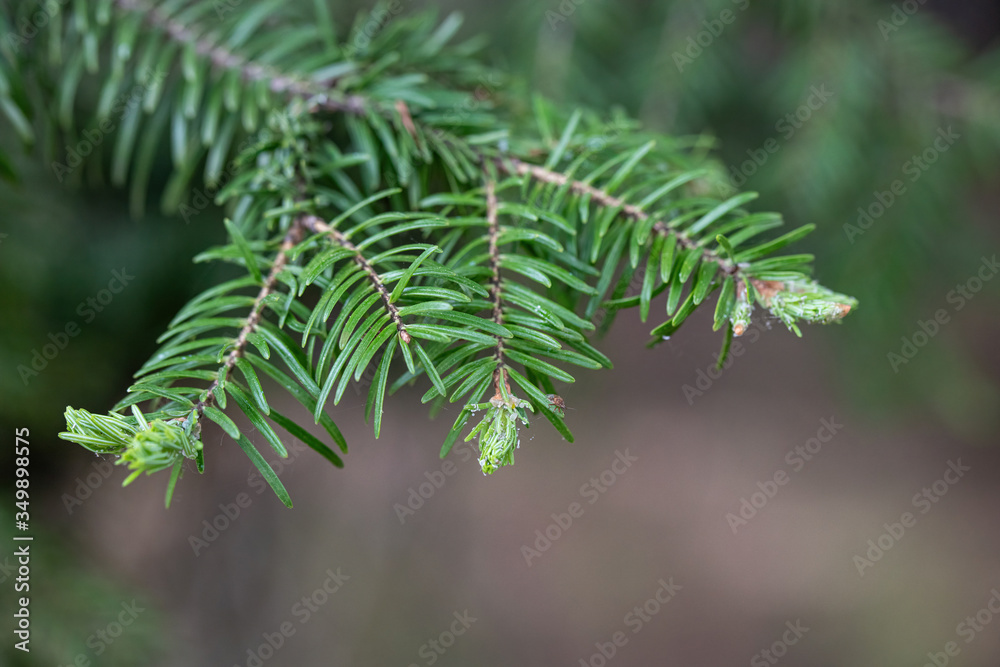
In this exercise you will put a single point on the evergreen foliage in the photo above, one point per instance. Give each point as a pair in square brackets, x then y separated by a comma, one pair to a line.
[897, 78]
[395, 219]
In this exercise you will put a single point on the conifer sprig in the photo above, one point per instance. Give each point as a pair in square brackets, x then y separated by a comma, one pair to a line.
[393, 219]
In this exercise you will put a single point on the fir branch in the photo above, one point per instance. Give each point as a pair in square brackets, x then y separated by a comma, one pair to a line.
[323, 96]
[630, 211]
[498, 431]
[317, 226]
[253, 319]
[352, 117]
[223, 58]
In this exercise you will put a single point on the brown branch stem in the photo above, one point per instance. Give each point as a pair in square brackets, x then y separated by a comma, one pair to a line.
[492, 219]
[253, 319]
[323, 94]
[318, 226]
[609, 201]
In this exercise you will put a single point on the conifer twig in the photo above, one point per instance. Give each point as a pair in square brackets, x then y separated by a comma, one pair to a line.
[323, 96]
[610, 201]
[253, 319]
[223, 58]
[317, 226]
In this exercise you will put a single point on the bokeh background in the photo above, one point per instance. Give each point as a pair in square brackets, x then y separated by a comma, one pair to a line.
[898, 74]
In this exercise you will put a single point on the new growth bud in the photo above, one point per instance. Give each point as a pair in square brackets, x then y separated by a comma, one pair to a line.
[498, 432]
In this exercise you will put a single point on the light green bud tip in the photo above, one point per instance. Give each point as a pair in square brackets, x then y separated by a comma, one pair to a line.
[157, 448]
[498, 433]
